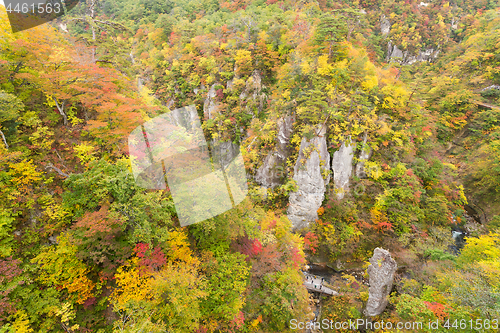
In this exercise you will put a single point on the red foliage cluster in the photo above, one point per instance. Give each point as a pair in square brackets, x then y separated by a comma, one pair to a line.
[311, 241]
[220, 94]
[9, 269]
[297, 259]
[244, 246]
[150, 260]
[140, 249]
[237, 323]
[268, 260]
[96, 222]
[97, 236]
[248, 247]
[384, 225]
[439, 310]
[89, 302]
[256, 247]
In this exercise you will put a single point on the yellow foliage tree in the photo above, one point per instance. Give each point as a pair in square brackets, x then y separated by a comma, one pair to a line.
[60, 268]
[21, 323]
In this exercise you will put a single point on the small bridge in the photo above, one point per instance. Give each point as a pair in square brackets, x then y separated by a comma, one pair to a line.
[485, 105]
[314, 283]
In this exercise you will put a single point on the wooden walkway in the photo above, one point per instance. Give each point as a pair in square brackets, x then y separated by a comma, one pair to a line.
[314, 283]
[487, 106]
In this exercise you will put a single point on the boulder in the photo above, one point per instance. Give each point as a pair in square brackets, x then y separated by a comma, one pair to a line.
[381, 272]
[312, 162]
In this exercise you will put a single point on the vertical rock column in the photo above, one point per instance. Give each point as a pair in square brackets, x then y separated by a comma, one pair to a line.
[253, 93]
[311, 164]
[385, 25]
[342, 168]
[381, 273]
[269, 174]
[366, 153]
[210, 105]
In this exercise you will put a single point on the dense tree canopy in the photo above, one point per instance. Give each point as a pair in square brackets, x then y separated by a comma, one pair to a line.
[83, 248]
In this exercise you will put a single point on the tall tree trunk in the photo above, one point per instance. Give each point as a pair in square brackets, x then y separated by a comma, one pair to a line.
[85, 114]
[4, 141]
[60, 108]
[56, 169]
[92, 15]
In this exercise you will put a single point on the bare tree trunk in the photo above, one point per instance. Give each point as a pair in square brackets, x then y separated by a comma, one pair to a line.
[56, 169]
[60, 108]
[92, 15]
[85, 114]
[4, 141]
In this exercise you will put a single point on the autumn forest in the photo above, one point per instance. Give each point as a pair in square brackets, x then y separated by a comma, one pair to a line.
[369, 132]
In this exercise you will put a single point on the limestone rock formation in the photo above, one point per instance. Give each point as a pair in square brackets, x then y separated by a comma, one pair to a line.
[312, 162]
[425, 55]
[225, 151]
[271, 171]
[496, 87]
[405, 58]
[366, 153]
[253, 84]
[385, 25]
[210, 105]
[269, 175]
[342, 168]
[393, 52]
[197, 90]
[381, 272]
[180, 118]
[253, 91]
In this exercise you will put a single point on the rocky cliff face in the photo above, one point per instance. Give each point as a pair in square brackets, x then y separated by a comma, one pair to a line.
[252, 92]
[405, 58]
[381, 272]
[312, 164]
[197, 90]
[210, 105]
[271, 171]
[365, 154]
[342, 168]
[225, 151]
[385, 25]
